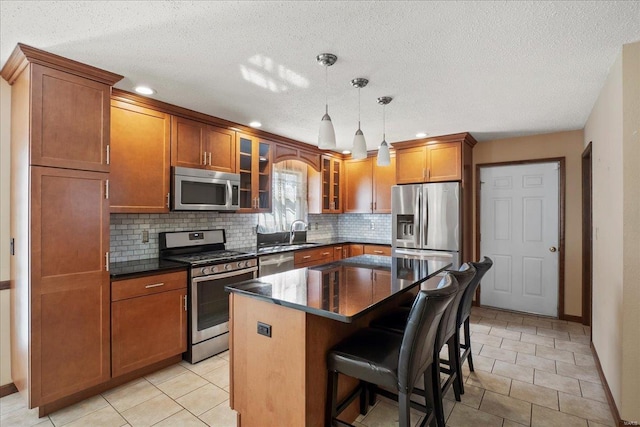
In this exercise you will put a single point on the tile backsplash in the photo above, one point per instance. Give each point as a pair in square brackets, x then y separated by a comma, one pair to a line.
[127, 229]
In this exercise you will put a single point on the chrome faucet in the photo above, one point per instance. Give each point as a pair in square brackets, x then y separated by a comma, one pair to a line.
[292, 232]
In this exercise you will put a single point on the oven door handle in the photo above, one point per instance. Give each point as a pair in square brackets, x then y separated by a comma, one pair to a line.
[224, 275]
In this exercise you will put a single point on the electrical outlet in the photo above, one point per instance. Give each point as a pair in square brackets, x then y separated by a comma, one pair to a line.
[145, 236]
[373, 226]
[264, 329]
[316, 224]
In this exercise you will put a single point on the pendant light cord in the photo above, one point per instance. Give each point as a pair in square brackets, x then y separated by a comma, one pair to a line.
[326, 91]
[384, 125]
[358, 108]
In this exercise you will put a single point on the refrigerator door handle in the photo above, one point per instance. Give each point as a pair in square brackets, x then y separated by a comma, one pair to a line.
[417, 237]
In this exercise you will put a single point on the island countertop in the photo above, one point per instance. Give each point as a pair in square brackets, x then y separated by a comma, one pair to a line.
[342, 290]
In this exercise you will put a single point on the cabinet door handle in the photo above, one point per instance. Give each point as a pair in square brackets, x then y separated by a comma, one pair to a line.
[204, 158]
[184, 297]
[378, 252]
[209, 158]
[375, 205]
[106, 261]
[168, 195]
[155, 285]
[325, 253]
[428, 173]
[306, 257]
[108, 154]
[106, 189]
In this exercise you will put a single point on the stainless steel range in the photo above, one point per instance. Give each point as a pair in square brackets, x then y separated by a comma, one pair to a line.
[212, 268]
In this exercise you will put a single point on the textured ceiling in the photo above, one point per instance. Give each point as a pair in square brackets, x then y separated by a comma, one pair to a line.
[495, 69]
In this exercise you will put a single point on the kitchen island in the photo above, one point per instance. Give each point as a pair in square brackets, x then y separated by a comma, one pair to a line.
[283, 325]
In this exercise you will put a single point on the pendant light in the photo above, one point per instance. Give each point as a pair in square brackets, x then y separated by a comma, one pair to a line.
[384, 157]
[359, 150]
[327, 135]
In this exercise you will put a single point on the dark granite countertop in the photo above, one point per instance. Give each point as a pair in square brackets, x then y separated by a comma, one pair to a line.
[312, 243]
[143, 267]
[342, 290]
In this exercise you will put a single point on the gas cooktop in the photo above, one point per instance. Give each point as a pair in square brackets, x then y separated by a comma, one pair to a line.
[209, 257]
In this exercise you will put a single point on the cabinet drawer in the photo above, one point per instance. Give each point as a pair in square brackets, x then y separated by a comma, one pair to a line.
[314, 256]
[377, 250]
[148, 285]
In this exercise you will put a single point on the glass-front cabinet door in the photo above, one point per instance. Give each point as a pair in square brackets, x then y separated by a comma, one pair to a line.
[254, 167]
[331, 174]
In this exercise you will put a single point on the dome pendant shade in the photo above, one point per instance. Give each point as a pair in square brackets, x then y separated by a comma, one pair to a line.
[327, 135]
[384, 157]
[359, 146]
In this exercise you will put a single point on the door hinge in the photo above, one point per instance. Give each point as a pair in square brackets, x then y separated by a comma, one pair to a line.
[12, 246]
[168, 199]
[106, 189]
[106, 261]
[108, 154]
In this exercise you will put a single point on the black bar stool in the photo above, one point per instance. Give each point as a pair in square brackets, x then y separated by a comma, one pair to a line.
[465, 310]
[396, 322]
[390, 360]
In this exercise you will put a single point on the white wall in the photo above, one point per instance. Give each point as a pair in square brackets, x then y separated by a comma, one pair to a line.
[5, 138]
[616, 300]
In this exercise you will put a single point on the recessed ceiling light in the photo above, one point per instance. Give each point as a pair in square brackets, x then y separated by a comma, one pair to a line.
[420, 135]
[346, 152]
[255, 124]
[144, 90]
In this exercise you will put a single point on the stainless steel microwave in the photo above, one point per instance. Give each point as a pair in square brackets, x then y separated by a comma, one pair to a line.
[204, 190]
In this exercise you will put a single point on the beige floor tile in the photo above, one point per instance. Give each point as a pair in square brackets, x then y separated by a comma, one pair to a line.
[536, 362]
[489, 381]
[590, 409]
[182, 384]
[484, 312]
[491, 340]
[105, 417]
[22, 417]
[574, 328]
[509, 423]
[593, 391]
[527, 329]
[206, 365]
[183, 419]
[509, 317]
[78, 410]
[11, 403]
[537, 322]
[483, 363]
[167, 373]
[483, 329]
[535, 394]
[46, 423]
[224, 355]
[505, 333]
[573, 346]
[472, 396]
[220, 416]
[494, 323]
[581, 339]
[587, 373]
[545, 417]
[555, 354]
[584, 359]
[465, 416]
[498, 354]
[131, 394]
[538, 340]
[557, 382]
[595, 424]
[513, 371]
[519, 346]
[476, 348]
[552, 333]
[152, 411]
[385, 414]
[219, 376]
[506, 407]
[202, 399]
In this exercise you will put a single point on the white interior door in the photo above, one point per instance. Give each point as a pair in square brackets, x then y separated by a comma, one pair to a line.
[519, 219]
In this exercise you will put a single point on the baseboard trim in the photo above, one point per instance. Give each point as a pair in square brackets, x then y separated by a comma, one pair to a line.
[5, 284]
[570, 318]
[7, 389]
[607, 390]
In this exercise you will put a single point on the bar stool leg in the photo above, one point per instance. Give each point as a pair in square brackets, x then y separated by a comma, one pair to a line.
[429, 399]
[437, 390]
[467, 341]
[331, 406]
[404, 408]
[364, 398]
[454, 361]
[458, 361]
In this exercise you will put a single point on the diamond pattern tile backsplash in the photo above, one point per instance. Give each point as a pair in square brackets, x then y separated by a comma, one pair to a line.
[127, 229]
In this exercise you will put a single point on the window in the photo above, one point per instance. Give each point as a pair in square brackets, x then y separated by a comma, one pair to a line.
[289, 192]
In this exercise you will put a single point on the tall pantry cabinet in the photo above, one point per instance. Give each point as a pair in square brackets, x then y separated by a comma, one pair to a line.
[60, 302]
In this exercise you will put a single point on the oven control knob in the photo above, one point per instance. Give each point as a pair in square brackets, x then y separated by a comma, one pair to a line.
[204, 270]
[240, 264]
[213, 269]
[227, 266]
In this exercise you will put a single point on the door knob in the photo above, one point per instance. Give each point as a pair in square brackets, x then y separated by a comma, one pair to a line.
[553, 249]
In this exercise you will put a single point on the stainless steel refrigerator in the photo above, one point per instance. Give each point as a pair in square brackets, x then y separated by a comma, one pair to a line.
[426, 220]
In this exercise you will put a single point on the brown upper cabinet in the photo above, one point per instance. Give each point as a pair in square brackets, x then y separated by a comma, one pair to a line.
[368, 186]
[199, 145]
[291, 152]
[140, 165]
[429, 163]
[325, 186]
[69, 127]
[254, 166]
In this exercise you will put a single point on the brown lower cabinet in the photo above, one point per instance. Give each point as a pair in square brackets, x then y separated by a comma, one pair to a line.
[148, 320]
[377, 250]
[315, 256]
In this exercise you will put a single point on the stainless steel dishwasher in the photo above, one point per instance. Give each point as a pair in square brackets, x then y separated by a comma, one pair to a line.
[275, 263]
